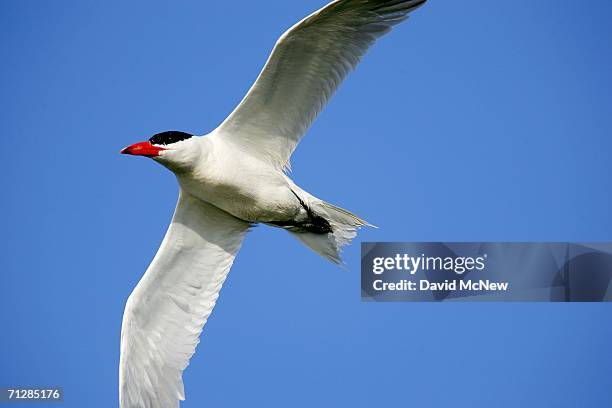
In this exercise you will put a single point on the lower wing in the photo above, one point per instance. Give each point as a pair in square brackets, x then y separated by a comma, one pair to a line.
[165, 314]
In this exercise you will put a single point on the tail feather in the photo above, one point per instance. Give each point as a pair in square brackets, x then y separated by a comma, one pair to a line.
[344, 228]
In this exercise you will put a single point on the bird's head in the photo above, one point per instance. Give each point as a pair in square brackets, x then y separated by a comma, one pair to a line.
[178, 151]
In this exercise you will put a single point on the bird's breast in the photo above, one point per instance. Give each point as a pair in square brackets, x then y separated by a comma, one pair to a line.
[248, 192]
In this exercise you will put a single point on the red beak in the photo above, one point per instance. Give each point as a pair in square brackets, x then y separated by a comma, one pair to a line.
[142, 149]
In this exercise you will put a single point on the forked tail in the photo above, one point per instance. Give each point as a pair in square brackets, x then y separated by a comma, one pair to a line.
[343, 228]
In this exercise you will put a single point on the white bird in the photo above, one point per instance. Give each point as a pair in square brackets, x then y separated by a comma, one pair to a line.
[233, 178]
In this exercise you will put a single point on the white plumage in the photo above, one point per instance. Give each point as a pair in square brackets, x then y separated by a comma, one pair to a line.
[306, 66]
[234, 177]
[165, 314]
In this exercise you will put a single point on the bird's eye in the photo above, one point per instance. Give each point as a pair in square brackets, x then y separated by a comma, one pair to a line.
[166, 138]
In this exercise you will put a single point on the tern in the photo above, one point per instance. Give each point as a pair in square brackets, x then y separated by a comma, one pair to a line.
[233, 178]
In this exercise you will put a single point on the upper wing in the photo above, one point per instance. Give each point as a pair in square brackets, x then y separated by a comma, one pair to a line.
[165, 314]
[306, 66]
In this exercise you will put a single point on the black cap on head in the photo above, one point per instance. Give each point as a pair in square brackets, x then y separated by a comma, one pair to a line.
[166, 138]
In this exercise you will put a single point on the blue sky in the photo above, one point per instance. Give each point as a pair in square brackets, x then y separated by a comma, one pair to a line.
[474, 120]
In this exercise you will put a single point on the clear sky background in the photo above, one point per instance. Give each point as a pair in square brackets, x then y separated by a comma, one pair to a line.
[474, 120]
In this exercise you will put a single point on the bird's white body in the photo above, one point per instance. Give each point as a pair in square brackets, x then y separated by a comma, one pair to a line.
[234, 178]
[231, 179]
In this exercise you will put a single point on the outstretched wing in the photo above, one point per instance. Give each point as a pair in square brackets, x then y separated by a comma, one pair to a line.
[305, 67]
[165, 314]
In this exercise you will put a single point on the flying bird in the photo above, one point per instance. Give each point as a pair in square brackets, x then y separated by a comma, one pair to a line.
[233, 178]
